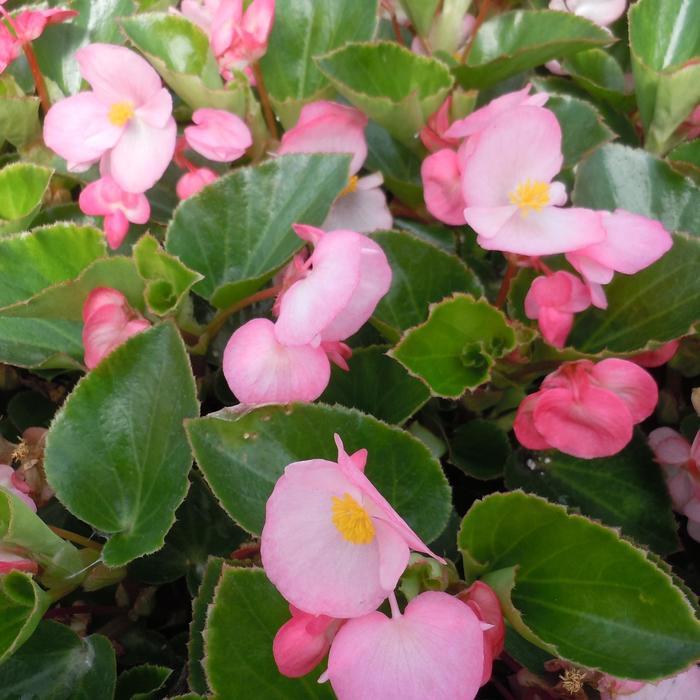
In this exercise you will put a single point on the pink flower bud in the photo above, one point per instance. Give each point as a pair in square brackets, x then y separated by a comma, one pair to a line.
[194, 181]
[218, 135]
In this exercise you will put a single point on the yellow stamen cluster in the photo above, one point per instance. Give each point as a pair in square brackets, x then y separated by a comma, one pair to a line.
[531, 194]
[352, 521]
[351, 186]
[120, 113]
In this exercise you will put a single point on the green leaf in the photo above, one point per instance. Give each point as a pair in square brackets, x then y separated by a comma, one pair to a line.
[378, 385]
[455, 348]
[665, 49]
[421, 13]
[56, 664]
[167, 280]
[513, 42]
[480, 449]
[237, 231]
[306, 29]
[392, 85]
[422, 274]
[626, 490]
[116, 454]
[19, 114]
[242, 456]
[141, 682]
[582, 126]
[686, 158]
[580, 591]
[22, 605]
[600, 75]
[22, 187]
[243, 619]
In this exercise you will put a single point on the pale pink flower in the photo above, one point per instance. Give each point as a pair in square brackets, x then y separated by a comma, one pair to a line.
[587, 410]
[194, 181]
[682, 686]
[108, 322]
[332, 544]
[681, 464]
[433, 134]
[259, 369]
[553, 300]
[441, 173]
[10, 48]
[659, 356]
[360, 207]
[340, 285]
[125, 121]
[218, 135]
[602, 12]
[105, 198]
[632, 242]
[201, 12]
[435, 650]
[10, 482]
[512, 203]
[303, 642]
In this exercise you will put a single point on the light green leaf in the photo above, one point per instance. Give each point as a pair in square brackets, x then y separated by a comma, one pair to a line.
[513, 42]
[237, 231]
[392, 85]
[243, 619]
[22, 187]
[243, 455]
[456, 347]
[19, 114]
[421, 13]
[116, 453]
[306, 29]
[576, 589]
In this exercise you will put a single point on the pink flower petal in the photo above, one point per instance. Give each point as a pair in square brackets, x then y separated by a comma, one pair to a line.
[442, 187]
[669, 447]
[657, 357]
[8, 482]
[116, 228]
[631, 383]
[157, 111]
[525, 431]
[218, 135]
[12, 561]
[194, 181]
[394, 554]
[364, 210]
[602, 12]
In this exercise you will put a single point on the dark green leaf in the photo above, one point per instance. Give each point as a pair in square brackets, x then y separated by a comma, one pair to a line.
[480, 448]
[141, 682]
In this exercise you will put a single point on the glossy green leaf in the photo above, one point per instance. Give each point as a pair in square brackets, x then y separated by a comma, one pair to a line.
[422, 274]
[243, 455]
[600, 75]
[141, 682]
[237, 231]
[513, 42]
[19, 114]
[456, 347]
[305, 29]
[421, 13]
[480, 449]
[393, 86]
[557, 572]
[686, 158]
[377, 385]
[116, 454]
[243, 619]
[167, 280]
[22, 187]
[665, 48]
[22, 605]
[626, 490]
[583, 128]
[56, 664]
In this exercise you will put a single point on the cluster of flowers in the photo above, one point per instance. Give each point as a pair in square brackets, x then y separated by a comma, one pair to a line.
[494, 170]
[336, 549]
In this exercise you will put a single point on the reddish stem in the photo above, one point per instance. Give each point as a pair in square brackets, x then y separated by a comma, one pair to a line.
[480, 18]
[397, 29]
[265, 101]
[511, 271]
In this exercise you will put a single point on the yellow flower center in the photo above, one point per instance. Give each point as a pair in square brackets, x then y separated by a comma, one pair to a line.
[120, 113]
[351, 186]
[531, 194]
[352, 521]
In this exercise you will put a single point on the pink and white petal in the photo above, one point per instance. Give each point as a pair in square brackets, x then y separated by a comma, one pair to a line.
[136, 207]
[260, 370]
[525, 431]
[78, 130]
[634, 385]
[488, 221]
[522, 144]
[102, 332]
[434, 650]
[364, 211]
[669, 447]
[555, 325]
[218, 135]
[598, 298]
[589, 268]
[393, 554]
[9, 482]
[102, 296]
[601, 12]
[258, 19]
[680, 487]
[310, 305]
[118, 74]
[158, 110]
[142, 155]
[442, 187]
[557, 194]
[597, 424]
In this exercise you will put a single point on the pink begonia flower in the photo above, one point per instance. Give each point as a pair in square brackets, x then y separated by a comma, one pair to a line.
[602, 12]
[433, 134]
[512, 203]
[108, 322]
[10, 482]
[194, 181]
[483, 600]
[105, 198]
[218, 135]
[553, 300]
[632, 242]
[682, 686]
[201, 12]
[125, 121]
[329, 127]
[332, 544]
[587, 410]
[340, 286]
[303, 642]
[259, 369]
[435, 650]
[681, 464]
[441, 173]
[659, 356]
